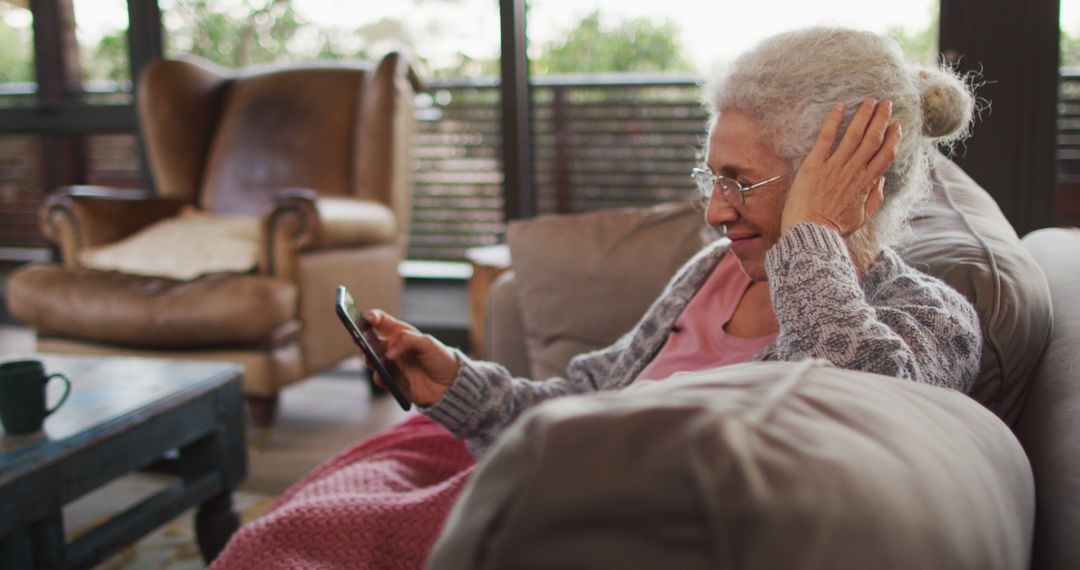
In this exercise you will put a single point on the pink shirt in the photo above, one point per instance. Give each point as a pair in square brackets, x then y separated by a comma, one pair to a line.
[698, 341]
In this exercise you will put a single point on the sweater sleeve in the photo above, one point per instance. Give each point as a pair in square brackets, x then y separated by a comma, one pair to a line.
[485, 398]
[913, 327]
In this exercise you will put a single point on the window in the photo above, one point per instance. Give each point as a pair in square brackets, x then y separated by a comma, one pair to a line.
[1068, 137]
[617, 113]
[17, 86]
[236, 33]
[457, 194]
[86, 72]
[681, 35]
[101, 31]
[22, 180]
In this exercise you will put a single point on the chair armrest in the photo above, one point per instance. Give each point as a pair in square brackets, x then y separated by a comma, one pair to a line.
[352, 222]
[76, 217]
[301, 220]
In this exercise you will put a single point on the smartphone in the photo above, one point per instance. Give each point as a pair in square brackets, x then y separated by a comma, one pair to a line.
[371, 345]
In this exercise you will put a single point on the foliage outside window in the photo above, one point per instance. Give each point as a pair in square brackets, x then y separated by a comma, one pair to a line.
[239, 33]
[16, 45]
[622, 45]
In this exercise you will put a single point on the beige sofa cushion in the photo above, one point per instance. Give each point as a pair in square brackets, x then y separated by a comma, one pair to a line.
[964, 239]
[760, 465]
[585, 279]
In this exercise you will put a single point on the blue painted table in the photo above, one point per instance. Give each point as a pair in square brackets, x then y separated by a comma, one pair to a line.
[124, 414]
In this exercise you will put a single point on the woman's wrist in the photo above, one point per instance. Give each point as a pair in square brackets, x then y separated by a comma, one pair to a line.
[446, 383]
[454, 409]
[804, 237]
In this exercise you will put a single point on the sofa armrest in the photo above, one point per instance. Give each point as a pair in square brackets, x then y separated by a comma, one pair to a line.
[77, 217]
[1050, 419]
[505, 342]
[301, 220]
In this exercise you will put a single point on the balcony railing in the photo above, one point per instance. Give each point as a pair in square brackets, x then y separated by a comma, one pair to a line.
[1067, 204]
[599, 142]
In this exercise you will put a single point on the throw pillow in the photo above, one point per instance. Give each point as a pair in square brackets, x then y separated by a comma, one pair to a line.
[585, 279]
[963, 238]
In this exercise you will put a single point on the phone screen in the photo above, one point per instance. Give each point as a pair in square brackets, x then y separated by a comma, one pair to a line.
[371, 345]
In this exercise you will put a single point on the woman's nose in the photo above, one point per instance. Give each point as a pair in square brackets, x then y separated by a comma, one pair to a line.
[719, 211]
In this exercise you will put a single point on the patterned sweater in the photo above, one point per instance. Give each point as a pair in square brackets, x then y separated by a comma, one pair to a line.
[894, 321]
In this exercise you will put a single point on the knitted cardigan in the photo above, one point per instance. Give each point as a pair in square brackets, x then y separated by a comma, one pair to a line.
[894, 321]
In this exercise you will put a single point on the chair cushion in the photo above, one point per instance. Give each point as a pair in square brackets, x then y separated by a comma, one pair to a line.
[585, 279]
[223, 309]
[963, 238]
[196, 243]
[760, 465]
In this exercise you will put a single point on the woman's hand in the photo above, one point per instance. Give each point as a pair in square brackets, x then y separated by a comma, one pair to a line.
[428, 365]
[841, 187]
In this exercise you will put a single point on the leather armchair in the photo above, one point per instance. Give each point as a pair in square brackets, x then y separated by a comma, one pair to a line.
[320, 156]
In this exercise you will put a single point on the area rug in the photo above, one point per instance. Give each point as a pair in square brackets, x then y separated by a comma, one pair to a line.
[173, 546]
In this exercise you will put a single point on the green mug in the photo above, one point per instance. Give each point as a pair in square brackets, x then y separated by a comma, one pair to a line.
[22, 395]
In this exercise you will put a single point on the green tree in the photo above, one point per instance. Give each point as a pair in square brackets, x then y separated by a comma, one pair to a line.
[16, 58]
[1070, 50]
[258, 31]
[635, 45]
[246, 32]
[109, 60]
[920, 45]
[466, 66]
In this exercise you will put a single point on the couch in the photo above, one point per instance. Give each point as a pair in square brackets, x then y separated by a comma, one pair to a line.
[1004, 477]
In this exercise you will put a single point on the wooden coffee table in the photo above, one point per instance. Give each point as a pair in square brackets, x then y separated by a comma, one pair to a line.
[124, 414]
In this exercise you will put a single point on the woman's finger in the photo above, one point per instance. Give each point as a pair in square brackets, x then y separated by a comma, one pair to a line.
[875, 133]
[375, 377]
[856, 131]
[407, 341]
[886, 153]
[385, 324]
[827, 135]
[399, 342]
[875, 199]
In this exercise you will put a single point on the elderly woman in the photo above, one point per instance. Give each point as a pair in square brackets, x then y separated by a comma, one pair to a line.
[818, 148]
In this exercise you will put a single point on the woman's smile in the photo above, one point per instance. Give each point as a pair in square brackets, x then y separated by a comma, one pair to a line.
[741, 241]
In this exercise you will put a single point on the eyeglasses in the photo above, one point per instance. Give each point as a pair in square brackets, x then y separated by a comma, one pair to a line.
[733, 189]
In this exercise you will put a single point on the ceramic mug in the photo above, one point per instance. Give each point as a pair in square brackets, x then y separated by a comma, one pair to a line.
[22, 395]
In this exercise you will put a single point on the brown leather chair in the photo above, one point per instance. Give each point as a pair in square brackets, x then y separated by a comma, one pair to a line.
[319, 154]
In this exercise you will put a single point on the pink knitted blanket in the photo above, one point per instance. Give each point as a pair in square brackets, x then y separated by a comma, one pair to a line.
[379, 504]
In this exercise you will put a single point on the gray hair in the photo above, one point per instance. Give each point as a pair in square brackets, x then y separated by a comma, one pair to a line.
[788, 83]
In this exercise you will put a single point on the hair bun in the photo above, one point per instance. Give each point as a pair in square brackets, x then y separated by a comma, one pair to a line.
[947, 103]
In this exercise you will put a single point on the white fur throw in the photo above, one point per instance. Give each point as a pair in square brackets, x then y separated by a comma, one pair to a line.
[184, 247]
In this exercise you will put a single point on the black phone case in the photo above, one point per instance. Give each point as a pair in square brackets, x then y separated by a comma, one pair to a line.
[382, 368]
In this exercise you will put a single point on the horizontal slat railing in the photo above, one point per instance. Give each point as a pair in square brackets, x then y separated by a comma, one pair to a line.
[610, 141]
[599, 142]
[1067, 205]
[457, 177]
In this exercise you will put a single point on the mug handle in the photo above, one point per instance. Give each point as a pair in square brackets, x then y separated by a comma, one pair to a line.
[67, 390]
